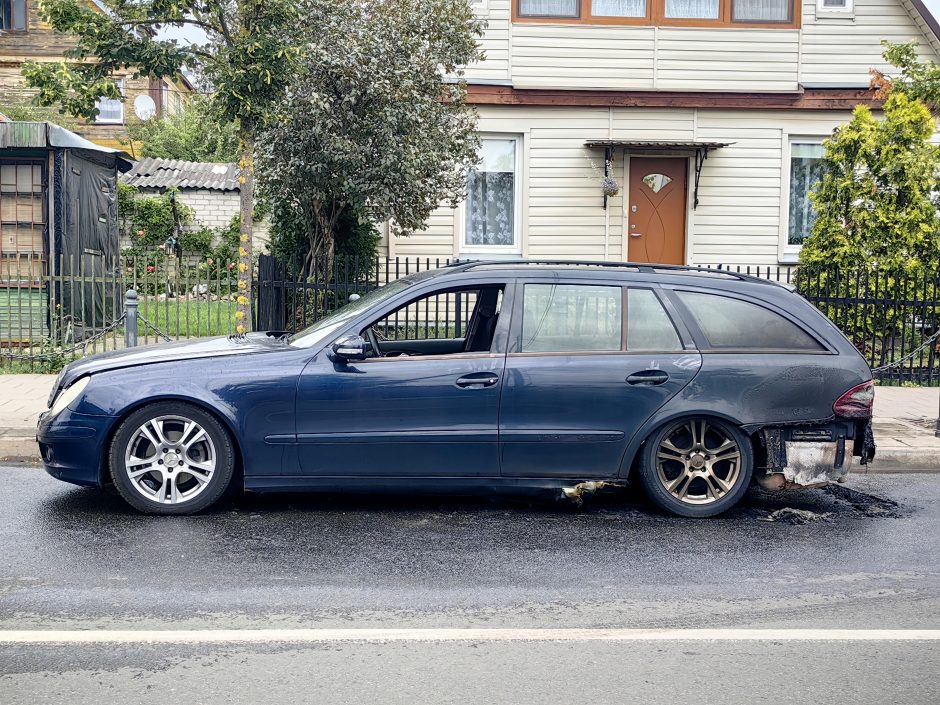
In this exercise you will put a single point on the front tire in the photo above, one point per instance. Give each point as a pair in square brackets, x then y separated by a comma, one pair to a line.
[696, 467]
[171, 458]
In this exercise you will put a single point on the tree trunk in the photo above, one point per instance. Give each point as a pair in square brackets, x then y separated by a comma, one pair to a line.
[246, 210]
[327, 238]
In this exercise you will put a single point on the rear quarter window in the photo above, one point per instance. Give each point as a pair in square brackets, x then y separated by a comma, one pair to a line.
[737, 324]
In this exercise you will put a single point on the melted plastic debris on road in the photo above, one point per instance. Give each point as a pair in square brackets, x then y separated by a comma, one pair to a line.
[789, 515]
[867, 504]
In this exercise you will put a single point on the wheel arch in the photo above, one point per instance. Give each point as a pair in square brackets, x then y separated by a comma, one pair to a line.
[228, 424]
[631, 457]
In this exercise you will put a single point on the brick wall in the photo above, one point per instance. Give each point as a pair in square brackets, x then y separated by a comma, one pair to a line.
[215, 209]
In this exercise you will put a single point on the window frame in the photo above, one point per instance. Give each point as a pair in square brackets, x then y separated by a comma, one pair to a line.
[704, 345]
[656, 17]
[515, 249]
[686, 340]
[788, 253]
[500, 336]
[14, 30]
[835, 12]
[119, 80]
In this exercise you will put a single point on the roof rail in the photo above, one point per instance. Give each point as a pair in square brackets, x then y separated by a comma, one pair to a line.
[644, 267]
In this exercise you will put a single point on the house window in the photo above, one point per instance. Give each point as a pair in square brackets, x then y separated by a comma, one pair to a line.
[699, 13]
[692, 9]
[760, 10]
[13, 15]
[618, 8]
[806, 166]
[111, 110]
[549, 8]
[840, 6]
[492, 196]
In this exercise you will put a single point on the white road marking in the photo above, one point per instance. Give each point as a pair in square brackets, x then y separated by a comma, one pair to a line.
[129, 636]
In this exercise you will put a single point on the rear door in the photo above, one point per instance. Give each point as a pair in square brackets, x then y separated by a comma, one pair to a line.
[588, 362]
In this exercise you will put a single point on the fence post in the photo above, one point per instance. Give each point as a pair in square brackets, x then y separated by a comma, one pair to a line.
[937, 431]
[130, 319]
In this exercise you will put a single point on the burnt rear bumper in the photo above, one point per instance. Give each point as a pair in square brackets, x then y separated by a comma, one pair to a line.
[811, 455]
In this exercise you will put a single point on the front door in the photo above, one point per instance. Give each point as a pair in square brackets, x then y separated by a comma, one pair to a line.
[656, 210]
[425, 404]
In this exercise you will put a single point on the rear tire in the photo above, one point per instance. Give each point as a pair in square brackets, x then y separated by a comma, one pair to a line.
[171, 458]
[696, 467]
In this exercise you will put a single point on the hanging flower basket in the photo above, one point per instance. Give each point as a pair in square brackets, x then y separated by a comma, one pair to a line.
[610, 186]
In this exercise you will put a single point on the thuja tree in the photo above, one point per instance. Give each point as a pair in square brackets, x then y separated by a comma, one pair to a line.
[247, 62]
[877, 219]
[876, 202]
[375, 122]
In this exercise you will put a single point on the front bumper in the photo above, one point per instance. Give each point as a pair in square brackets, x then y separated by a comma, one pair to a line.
[73, 446]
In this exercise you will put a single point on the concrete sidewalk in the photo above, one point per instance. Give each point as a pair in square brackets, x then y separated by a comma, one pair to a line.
[905, 420]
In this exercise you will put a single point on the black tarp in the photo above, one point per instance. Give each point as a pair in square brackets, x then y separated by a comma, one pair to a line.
[85, 243]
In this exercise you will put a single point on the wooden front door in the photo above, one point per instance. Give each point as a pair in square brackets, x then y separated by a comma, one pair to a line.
[656, 205]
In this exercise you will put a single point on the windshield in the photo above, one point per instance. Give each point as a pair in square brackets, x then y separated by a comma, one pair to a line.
[326, 326]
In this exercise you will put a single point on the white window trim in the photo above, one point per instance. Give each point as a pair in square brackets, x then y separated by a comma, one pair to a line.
[112, 121]
[461, 247]
[787, 253]
[847, 11]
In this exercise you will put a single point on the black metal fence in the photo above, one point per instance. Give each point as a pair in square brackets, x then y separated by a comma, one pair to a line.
[74, 308]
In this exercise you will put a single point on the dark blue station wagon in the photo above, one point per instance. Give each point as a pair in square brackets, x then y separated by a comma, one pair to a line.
[484, 377]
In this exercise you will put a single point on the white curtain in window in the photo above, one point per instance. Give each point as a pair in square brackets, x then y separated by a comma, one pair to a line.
[806, 165]
[618, 8]
[109, 109]
[549, 8]
[491, 195]
[697, 9]
[761, 10]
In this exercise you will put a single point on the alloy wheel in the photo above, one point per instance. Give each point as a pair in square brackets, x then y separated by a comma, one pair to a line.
[698, 462]
[170, 459]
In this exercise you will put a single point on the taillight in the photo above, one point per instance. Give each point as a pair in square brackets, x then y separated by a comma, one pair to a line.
[857, 402]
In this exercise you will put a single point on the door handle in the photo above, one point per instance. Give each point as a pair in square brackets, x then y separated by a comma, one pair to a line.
[636, 235]
[648, 377]
[477, 380]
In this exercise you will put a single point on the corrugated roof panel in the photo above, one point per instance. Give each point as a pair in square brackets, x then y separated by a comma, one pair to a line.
[175, 173]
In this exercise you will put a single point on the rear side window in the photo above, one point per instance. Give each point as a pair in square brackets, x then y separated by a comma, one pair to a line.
[732, 323]
[572, 318]
[648, 326]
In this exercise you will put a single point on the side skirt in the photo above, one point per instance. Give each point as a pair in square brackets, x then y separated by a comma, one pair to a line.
[411, 485]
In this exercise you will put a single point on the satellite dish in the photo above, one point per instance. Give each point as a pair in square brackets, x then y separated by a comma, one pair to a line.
[144, 107]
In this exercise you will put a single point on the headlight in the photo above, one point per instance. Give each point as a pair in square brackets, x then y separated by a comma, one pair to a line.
[67, 396]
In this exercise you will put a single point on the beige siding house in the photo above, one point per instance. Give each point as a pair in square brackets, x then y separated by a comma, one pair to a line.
[709, 115]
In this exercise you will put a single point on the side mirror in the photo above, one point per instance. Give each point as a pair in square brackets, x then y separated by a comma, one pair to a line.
[349, 347]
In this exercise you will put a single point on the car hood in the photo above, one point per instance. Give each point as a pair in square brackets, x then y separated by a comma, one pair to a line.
[168, 352]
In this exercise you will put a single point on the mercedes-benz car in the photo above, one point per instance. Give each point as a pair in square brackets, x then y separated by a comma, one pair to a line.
[484, 377]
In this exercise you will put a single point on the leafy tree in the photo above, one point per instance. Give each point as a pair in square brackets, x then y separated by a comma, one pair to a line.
[920, 80]
[876, 202]
[370, 126]
[24, 112]
[356, 237]
[195, 133]
[247, 61]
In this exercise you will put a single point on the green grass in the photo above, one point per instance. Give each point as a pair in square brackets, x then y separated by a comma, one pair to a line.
[188, 319]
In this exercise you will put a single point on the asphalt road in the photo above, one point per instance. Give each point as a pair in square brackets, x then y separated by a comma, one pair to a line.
[78, 559]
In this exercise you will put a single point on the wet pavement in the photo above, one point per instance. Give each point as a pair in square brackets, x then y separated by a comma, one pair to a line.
[80, 559]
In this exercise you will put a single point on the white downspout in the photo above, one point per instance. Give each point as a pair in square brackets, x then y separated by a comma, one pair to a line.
[610, 135]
